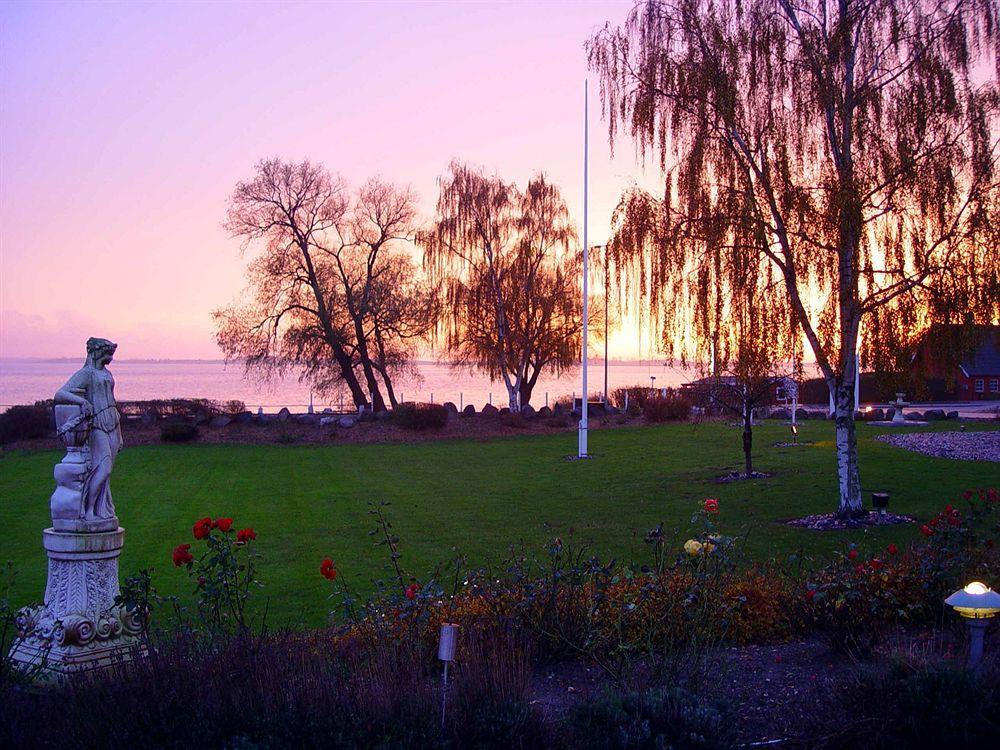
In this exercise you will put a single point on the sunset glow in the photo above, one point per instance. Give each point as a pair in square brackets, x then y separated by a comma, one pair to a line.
[125, 127]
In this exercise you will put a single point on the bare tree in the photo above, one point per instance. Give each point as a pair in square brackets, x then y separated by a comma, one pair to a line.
[845, 149]
[510, 274]
[322, 293]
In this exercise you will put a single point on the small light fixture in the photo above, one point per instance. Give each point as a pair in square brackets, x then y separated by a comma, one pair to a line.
[795, 435]
[446, 653]
[977, 603]
[880, 501]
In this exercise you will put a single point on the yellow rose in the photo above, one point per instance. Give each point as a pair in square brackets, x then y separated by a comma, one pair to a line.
[693, 547]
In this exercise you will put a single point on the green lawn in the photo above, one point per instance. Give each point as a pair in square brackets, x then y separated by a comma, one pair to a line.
[473, 497]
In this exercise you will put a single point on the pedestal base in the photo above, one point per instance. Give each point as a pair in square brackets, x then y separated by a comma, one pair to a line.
[79, 627]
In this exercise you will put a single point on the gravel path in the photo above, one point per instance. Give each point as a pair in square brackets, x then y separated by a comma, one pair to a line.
[965, 446]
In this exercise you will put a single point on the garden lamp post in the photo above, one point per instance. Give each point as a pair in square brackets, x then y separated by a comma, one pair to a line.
[652, 385]
[977, 603]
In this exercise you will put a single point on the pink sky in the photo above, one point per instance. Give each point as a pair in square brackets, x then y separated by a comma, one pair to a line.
[125, 126]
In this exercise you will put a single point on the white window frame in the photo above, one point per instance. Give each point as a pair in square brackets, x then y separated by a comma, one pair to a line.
[980, 385]
[994, 385]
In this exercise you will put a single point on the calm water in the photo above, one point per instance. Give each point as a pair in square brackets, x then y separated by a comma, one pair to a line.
[26, 381]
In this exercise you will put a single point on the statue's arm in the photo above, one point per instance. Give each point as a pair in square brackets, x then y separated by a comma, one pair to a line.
[77, 382]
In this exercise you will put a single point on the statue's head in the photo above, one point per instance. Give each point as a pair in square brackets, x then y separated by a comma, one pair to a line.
[100, 350]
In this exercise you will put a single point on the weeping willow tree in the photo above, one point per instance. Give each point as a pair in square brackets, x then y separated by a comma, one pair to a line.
[504, 258]
[829, 163]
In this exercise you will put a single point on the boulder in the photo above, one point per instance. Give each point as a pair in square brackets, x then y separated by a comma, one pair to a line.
[801, 414]
[346, 422]
[780, 414]
[545, 412]
[327, 421]
[328, 410]
[452, 409]
[244, 417]
[469, 411]
[934, 414]
[889, 414]
[219, 421]
[490, 410]
[305, 418]
[504, 410]
[284, 415]
[527, 411]
[382, 416]
[913, 416]
[951, 415]
[366, 416]
[875, 415]
[149, 418]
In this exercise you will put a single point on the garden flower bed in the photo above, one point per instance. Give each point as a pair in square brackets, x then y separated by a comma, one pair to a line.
[697, 647]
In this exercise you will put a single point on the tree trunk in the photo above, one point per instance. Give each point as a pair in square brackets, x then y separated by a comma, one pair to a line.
[347, 373]
[849, 478]
[748, 439]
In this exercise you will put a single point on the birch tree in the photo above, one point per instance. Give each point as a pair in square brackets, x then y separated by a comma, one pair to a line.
[846, 149]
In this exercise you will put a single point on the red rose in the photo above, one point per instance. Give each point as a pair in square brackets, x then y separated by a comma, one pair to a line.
[926, 530]
[202, 528]
[992, 494]
[852, 555]
[245, 535]
[411, 590]
[876, 564]
[182, 555]
[810, 594]
[327, 569]
[223, 524]
[859, 569]
[892, 549]
[948, 508]
[955, 519]
[967, 495]
[711, 505]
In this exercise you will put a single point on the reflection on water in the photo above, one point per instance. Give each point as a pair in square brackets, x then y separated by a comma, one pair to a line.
[26, 381]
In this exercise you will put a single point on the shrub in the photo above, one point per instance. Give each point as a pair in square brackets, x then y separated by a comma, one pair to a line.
[668, 406]
[178, 432]
[25, 423]
[660, 718]
[934, 707]
[514, 419]
[415, 416]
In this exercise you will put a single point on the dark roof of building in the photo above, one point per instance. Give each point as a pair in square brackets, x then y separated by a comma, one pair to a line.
[985, 360]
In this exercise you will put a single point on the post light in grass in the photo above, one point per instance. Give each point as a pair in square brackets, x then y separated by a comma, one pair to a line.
[795, 434]
[446, 653]
[977, 603]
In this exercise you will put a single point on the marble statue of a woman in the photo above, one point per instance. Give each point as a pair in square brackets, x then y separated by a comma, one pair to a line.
[87, 419]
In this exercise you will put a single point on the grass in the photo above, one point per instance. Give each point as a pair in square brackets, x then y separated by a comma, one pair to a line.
[473, 498]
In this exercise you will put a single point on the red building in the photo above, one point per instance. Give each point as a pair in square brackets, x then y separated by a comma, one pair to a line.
[978, 374]
[973, 376]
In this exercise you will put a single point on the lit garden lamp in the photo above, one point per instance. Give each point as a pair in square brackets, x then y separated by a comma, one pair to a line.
[795, 434]
[977, 603]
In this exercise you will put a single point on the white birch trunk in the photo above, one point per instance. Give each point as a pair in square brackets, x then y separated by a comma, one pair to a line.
[848, 476]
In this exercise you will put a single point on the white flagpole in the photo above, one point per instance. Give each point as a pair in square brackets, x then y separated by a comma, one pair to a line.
[586, 268]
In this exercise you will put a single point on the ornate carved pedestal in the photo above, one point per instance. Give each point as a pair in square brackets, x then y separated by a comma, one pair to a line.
[79, 626]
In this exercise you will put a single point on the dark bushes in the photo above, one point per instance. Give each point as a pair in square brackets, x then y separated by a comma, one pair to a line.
[930, 708]
[178, 432]
[668, 407]
[659, 718]
[416, 416]
[659, 405]
[25, 423]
